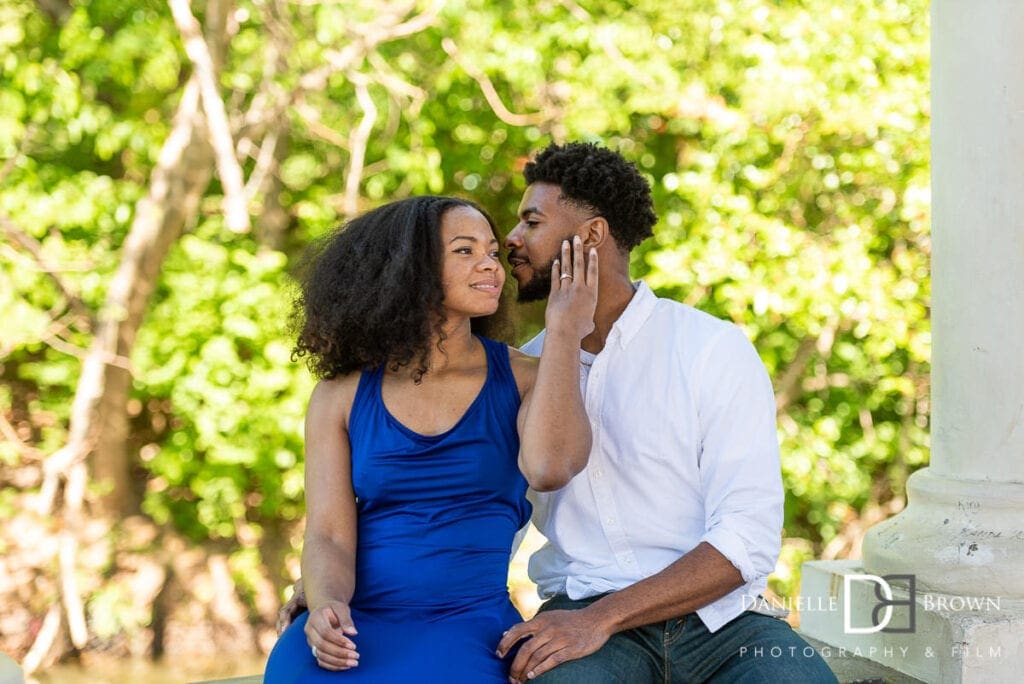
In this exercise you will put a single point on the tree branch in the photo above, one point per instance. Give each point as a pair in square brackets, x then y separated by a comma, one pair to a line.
[57, 10]
[35, 249]
[73, 607]
[236, 213]
[43, 641]
[786, 389]
[11, 435]
[490, 94]
[264, 162]
[604, 39]
[365, 39]
[357, 145]
[392, 82]
[310, 115]
[786, 386]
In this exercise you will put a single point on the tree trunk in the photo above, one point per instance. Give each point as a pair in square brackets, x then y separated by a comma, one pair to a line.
[273, 222]
[99, 426]
[178, 182]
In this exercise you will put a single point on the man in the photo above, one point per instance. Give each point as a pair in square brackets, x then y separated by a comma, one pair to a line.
[657, 548]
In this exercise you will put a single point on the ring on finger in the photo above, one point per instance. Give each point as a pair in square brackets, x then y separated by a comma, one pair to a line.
[565, 275]
[316, 656]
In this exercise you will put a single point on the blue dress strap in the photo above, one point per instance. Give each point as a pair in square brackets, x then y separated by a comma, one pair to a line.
[500, 371]
[364, 404]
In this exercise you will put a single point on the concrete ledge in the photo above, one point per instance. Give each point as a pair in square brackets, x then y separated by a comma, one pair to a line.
[849, 669]
[954, 639]
[852, 669]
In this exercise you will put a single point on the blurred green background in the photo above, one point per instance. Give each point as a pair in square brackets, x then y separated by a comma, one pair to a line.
[161, 172]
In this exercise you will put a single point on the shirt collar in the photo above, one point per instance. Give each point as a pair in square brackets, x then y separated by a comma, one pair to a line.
[635, 315]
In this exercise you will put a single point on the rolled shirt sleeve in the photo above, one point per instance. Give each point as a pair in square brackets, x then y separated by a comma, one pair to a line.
[739, 460]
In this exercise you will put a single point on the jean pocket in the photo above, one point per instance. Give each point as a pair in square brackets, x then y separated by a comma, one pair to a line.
[674, 628]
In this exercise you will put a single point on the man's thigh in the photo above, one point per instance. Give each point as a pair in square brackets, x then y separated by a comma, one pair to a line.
[622, 659]
[628, 656]
[751, 649]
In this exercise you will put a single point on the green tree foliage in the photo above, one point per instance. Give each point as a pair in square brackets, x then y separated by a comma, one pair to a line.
[787, 142]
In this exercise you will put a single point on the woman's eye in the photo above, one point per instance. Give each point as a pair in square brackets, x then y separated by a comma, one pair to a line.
[531, 224]
[495, 254]
[463, 250]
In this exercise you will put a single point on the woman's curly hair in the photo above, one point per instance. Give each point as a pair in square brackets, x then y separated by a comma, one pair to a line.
[371, 291]
[600, 180]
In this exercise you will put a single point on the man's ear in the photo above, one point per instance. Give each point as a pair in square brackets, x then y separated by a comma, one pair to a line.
[596, 232]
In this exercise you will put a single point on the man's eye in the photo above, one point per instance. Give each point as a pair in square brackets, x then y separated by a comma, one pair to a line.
[531, 224]
[495, 254]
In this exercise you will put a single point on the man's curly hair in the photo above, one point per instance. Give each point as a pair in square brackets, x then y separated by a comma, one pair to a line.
[371, 291]
[598, 179]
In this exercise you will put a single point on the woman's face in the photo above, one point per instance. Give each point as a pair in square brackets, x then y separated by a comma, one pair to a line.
[471, 274]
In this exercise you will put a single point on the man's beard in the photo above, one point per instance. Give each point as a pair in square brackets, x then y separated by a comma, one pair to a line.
[538, 287]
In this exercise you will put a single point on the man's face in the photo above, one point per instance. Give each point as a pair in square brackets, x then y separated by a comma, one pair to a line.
[536, 241]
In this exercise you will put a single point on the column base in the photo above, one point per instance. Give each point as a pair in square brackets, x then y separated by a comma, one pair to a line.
[955, 536]
[943, 638]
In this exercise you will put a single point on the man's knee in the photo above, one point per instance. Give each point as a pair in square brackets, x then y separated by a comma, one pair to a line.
[573, 672]
[773, 649]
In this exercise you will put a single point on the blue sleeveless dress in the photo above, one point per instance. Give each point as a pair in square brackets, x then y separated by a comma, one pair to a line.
[437, 514]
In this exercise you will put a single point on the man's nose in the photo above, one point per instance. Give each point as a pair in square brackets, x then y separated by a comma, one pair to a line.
[514, 238]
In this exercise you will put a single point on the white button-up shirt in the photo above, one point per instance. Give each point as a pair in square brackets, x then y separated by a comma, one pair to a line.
[685, 450]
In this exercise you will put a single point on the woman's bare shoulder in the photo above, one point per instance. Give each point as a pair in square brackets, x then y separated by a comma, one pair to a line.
[332, 397]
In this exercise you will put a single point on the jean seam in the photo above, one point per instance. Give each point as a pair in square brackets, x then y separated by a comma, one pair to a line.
[667, 641]
[678, 632]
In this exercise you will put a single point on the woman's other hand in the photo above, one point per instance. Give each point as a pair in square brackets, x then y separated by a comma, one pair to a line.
[328, 633]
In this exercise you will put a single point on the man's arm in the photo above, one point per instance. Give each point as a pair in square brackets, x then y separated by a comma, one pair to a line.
[292, 608]
[742, 489]
[695, 580]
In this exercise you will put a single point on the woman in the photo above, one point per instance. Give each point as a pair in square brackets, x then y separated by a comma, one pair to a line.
[415, 470]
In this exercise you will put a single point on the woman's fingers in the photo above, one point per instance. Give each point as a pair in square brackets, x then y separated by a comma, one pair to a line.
[578, 271]
[332, 649]
[574, 266]
[330, 662]
[330, 656]
[323, 631]
[556, 272]
[566, 260]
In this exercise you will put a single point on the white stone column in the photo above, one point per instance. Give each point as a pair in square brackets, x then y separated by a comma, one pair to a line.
[962, 533]
[963, 529]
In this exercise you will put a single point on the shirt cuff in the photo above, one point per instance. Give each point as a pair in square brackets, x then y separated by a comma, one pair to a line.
[734, 549]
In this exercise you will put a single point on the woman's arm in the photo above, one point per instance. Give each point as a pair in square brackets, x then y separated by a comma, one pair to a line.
[554, 432]
[329, 547]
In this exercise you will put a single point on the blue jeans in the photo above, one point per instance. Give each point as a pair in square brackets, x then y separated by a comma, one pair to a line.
[751, 649]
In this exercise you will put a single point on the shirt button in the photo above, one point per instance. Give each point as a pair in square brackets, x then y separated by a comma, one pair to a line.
[598, 473]
[610, 521]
